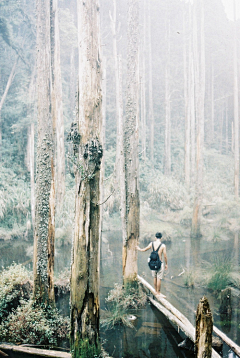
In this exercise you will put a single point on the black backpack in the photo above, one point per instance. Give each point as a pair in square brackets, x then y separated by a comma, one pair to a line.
[154, 261]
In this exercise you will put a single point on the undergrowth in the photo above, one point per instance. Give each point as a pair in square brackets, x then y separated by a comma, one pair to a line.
[34, 324]
[22, 320]
[119, 303]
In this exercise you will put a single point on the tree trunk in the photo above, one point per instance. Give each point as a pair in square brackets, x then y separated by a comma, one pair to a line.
[143, 86]
[167, 156]
[236, 109]
[131, 150]
[212, 104]
[226, 128]
[45, 185]
[9, 82]
[187, 76]
[150, 114]
[85, 305]
[204, 328]
[200, 93]
[57, 107]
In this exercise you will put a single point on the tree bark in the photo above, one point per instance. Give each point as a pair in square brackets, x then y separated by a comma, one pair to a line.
[57, 107]
[204, 329]
[167, 156]
[200, 93]
[143, 85]
[236, 108]
[150, 86]
[131, 150]
[9, 82]
[45, 184]
[85, 305]
[187, 76]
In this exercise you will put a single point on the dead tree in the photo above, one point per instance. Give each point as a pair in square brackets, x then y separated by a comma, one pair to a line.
[204, 329]
[132, 201]
[85, 305]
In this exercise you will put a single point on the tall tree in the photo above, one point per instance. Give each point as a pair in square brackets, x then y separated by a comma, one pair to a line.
[45, 184]
[200, 95]
[57, 106]
[150, 86]
[85, 306]
[167, 153]
[131, 149]
[236, 108]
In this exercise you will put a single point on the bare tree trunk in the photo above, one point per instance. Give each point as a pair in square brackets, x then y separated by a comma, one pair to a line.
[187, 93]
[204, 328]
[122, 178]
[212, 104]
[236, 109]
[117, 86]
[167, 156]
[45, 185]
[85, 305]
[200, 93]
[57, 107]
[226, 128]
[143, 86]
[9, 82]
[131, 150]
[150, 114]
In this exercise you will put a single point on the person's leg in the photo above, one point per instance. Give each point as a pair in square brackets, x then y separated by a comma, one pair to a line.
[158, 286]
[155, 283]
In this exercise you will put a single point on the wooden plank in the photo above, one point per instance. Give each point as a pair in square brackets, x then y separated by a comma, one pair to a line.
[34, 351]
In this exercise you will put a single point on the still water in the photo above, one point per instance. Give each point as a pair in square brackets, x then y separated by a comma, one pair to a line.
[152, 336]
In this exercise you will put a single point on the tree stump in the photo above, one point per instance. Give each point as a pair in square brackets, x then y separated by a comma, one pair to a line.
[204, 328]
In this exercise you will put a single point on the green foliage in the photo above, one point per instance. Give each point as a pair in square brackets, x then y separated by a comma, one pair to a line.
[220, 272]
[14, 200]
[189, 278]
[34, 324]
[11, 280]
[120, 301]
[82, 348]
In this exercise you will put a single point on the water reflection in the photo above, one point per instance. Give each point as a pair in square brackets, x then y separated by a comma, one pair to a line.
[153, 335]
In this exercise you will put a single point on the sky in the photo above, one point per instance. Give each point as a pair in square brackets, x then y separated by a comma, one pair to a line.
[228, 4]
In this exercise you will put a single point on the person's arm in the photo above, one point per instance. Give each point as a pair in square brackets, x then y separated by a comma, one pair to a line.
[145, 248]
[165, 256]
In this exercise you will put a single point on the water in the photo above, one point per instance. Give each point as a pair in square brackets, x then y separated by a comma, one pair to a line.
[153, 336]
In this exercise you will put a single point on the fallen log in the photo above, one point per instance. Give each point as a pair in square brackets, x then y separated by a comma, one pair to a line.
[165, 303]
[173, 314]
[234, 347]
[34, 351]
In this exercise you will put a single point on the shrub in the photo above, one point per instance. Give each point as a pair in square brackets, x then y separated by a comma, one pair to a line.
[14, 285]
[34, 324]
[220, 273]
[120, 301]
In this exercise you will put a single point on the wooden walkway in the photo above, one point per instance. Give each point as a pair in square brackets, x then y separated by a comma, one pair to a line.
[179, 320]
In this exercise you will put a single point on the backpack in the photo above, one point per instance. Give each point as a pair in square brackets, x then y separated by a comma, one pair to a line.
[154, 261]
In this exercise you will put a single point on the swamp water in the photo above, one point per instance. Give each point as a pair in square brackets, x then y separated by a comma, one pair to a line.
[152, 336]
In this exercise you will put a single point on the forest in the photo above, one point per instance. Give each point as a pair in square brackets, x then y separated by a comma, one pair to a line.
[118, 120]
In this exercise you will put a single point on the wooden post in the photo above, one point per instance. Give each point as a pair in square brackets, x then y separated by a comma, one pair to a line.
[204, 328]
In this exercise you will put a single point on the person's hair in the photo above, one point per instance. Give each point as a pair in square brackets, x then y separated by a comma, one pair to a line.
[158, 235]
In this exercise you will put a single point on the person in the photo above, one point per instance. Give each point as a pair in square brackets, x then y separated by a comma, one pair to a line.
[157, 275]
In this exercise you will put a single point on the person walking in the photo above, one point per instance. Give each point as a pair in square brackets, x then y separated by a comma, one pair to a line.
[162, 252]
